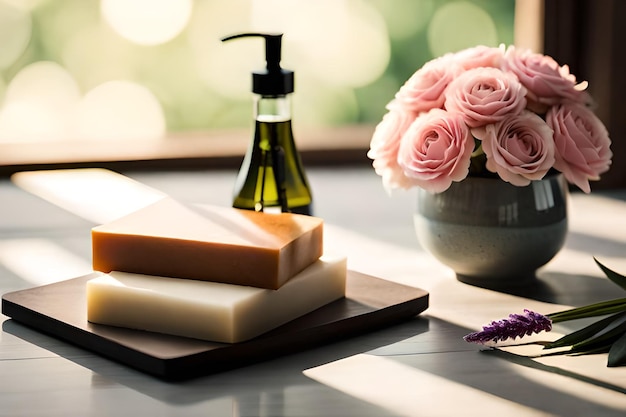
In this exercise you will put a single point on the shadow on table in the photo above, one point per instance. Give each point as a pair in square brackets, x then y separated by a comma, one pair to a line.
[567, 289]
[267, 378]
[453, 370]
[426, 344]
[582, 242]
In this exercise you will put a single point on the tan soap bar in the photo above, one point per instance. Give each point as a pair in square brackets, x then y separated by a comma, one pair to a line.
[211, 310]
[209, 243]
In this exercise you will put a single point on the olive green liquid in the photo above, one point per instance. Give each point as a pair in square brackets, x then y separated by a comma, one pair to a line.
[271, 174]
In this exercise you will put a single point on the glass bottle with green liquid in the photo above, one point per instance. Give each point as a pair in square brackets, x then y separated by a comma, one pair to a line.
[272, 177]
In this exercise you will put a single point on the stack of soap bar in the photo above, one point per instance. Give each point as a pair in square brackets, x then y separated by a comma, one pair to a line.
[209, 243]
[210, 310]
[207, 272]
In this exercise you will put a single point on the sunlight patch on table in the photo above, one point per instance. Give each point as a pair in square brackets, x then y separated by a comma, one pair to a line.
[41, 261]
[586, 366]
[595, 215]
[94, 194]
[394, 263]
[409, 391]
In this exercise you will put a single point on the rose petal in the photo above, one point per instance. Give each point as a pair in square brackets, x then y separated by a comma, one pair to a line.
[582, 143]
[519, 149]
[485, 95]
[436, 150]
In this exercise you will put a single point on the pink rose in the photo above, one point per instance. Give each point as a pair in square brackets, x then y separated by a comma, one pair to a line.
[546, 81]
[519, 148]
[385, 144]
[479, 56]
[582, 144]
[485, 96]
[424, 90]
[436, 150]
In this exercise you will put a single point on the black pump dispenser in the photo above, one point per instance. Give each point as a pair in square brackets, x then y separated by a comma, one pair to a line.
[272, 174]
[274, 80]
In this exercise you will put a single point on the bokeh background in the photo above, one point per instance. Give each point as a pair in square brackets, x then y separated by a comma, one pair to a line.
[96, 70]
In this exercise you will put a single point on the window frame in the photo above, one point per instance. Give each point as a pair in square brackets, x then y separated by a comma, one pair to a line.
[211, 149]
[585, 34]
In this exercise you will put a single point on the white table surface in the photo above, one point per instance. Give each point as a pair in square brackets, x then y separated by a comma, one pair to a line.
[418, 368]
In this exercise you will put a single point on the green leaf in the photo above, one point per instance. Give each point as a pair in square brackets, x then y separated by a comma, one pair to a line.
[603, 339]
[617, 353]
[600, 344]
[612, 275]
[579, 351]
[601, 348]
[584, 333]
[593, 310]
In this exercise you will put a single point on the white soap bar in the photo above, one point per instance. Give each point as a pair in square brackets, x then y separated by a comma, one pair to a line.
[210, 310]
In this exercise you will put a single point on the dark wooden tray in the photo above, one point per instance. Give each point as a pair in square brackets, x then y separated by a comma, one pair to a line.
[60, 310]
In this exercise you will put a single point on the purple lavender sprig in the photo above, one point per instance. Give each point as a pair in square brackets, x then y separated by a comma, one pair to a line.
[517, 325]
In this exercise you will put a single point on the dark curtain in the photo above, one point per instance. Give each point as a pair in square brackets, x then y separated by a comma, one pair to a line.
[588, 35]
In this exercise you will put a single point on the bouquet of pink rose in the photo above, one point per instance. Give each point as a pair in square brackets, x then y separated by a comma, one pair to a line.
[509, 113]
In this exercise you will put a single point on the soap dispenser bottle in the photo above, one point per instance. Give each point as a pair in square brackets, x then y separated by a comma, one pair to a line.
[272, 176]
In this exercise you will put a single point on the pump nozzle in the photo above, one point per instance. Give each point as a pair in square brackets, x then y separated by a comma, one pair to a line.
[274, 80]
